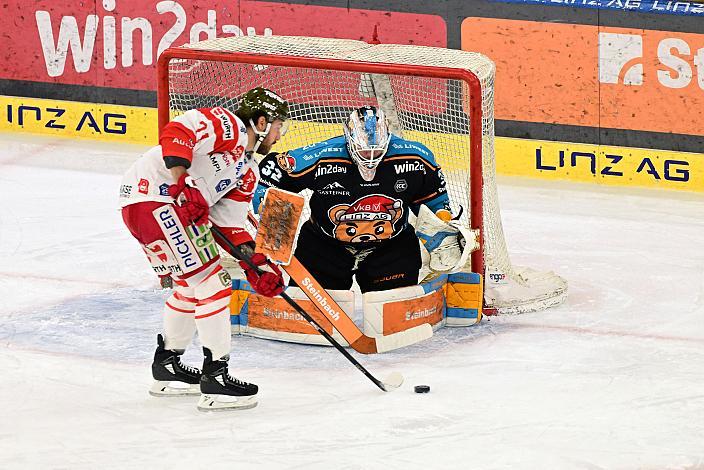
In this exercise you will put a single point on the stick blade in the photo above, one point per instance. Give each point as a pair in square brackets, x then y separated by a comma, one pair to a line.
[393, 381]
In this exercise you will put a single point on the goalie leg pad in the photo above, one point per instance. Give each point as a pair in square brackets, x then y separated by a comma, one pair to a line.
[274, 318]
[464, 295]
[390, 311]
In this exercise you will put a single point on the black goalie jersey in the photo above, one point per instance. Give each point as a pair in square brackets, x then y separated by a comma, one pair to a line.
[346, 207]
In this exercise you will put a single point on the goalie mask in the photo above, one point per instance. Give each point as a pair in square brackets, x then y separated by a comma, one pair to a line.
[263, 102]
[367, 135]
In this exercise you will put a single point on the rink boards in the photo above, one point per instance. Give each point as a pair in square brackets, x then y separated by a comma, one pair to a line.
[547, 160]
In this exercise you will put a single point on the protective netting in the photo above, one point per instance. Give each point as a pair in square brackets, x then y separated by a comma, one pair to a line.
[433, 111]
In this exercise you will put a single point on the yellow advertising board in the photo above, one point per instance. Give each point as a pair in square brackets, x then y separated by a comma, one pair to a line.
[107, 122]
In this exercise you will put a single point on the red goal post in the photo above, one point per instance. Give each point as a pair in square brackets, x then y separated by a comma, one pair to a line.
[440, 97]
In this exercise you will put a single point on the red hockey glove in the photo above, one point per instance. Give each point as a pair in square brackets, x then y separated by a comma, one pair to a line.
[190, 203]
[267, 283]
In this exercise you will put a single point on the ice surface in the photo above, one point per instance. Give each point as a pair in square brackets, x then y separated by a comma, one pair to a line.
[613, 379]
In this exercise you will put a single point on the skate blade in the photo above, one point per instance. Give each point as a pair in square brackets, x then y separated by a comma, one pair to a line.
[226, 403]
[173, 389]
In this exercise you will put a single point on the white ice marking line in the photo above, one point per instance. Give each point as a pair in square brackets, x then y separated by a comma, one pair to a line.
[64, 279]
[623, 334]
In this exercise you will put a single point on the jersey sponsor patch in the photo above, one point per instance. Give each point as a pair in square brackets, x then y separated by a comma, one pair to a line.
[183, 143]
[204, 242]
[325, 151]
[177, 238]
[126, 190]
[162, 258]
[237, 152]
[406, 146]
[248, 182]
[334, 189]
[164, 189]
[400, 186]
[225, 278]
[222, 185]
[143, 186]
[229, 131]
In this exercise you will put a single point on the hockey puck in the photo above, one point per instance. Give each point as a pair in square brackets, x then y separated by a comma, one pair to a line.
[421, 388]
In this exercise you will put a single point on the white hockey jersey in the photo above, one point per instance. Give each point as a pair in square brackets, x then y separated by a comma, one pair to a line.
[213, 140]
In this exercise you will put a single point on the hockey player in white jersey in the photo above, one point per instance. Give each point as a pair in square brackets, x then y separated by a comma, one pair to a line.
[202, 170]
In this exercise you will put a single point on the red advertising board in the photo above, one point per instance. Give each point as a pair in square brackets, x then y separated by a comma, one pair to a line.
[115, 43]
[595, 76]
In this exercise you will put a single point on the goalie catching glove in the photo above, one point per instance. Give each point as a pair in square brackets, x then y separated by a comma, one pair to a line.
[270, 282]
[190, 203]
[448, 243]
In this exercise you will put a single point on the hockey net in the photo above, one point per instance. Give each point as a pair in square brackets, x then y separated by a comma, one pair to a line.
[442, 98]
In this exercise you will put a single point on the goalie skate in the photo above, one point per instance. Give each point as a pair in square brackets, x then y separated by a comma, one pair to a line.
[220, 391]
[172, 378]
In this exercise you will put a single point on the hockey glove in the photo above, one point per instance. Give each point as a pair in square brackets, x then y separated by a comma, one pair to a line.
[190, 203]
[270, 282]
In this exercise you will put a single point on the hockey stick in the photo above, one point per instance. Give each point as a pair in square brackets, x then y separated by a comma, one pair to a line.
[392, 382]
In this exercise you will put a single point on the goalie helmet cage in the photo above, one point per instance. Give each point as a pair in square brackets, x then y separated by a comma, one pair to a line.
[443, 98]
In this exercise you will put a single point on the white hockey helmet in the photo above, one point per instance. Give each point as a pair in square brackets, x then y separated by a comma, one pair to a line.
[367, 134]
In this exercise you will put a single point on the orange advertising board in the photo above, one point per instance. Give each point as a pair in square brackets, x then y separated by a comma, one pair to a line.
[277, 315]
[587, 75]
[405, 314]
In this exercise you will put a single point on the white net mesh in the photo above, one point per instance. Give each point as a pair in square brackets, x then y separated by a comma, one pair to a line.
[434, 111]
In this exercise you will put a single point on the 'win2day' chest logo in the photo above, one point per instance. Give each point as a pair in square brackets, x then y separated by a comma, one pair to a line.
[330, 169]
[407, 167]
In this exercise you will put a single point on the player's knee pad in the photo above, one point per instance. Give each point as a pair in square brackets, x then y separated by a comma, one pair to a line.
[212, 317]
[182, 300]
[212, 292]
[179, 318]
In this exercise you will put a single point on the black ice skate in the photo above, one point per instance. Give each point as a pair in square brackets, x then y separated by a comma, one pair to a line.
[220, 391]
[172, 378]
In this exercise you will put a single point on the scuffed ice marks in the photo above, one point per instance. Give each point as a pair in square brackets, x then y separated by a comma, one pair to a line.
[119, 324]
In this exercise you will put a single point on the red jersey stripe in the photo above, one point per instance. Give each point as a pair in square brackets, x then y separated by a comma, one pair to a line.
[179, 309]
[206, 315]
[213, 298]
[183, 298]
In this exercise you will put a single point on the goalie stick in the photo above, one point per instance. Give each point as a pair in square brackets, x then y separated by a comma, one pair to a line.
[281, 213]
[390, 383]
